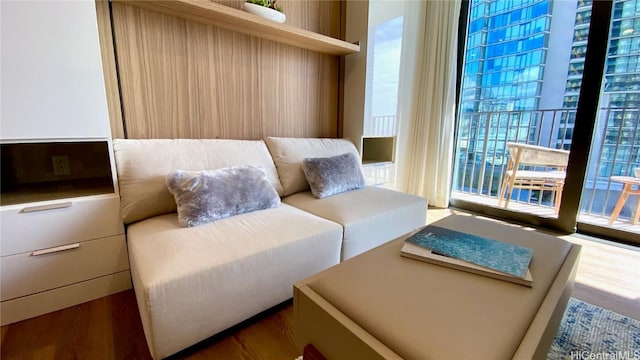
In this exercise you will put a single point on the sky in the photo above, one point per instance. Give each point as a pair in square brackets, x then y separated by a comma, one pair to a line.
[387, 46]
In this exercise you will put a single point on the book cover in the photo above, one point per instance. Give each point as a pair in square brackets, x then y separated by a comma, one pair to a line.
[419, 253]
[496, 255]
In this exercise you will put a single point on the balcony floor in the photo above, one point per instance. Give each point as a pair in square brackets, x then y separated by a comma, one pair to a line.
[547, 211]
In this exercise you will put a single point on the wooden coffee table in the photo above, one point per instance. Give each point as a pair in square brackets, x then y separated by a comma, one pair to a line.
[380, 305]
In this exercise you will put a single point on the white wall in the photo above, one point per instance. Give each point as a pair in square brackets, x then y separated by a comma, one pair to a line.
[52, 85]
[355, 73]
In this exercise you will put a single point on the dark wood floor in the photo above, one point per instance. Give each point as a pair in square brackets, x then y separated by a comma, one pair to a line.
[110, 327]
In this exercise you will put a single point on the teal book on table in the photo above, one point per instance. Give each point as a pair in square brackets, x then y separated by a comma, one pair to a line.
[496, 255]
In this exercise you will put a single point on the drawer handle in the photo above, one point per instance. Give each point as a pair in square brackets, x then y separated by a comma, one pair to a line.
[56, 249]
[29, 209]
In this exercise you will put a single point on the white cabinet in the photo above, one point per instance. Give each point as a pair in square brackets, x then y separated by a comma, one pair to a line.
[62, 239]
[60, 253]
[34, 226]
[51, 74]
[49, 268]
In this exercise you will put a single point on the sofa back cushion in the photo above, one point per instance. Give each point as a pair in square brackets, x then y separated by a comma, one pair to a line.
[143, 165]
[288, 154]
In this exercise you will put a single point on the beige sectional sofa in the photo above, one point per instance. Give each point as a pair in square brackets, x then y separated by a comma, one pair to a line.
[193, 282]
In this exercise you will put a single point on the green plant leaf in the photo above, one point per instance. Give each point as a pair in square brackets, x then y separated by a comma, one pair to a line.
[266, 3]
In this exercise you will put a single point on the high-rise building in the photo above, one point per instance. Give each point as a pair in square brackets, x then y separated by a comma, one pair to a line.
[616, 145]
[620, 148]
[503, 76]
[578, 51]
[506, 48]
[522, 76]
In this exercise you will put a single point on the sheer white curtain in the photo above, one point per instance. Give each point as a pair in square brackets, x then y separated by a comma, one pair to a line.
[428, 153]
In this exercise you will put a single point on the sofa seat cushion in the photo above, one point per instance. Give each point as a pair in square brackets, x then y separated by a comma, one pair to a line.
[369, 216]
[192, 283]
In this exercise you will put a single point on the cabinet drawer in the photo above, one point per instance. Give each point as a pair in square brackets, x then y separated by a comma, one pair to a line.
[29, 273]
[59, 298]
[28, 227]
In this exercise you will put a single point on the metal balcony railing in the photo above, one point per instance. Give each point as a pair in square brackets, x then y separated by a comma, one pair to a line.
[481, 156]
[380, 126]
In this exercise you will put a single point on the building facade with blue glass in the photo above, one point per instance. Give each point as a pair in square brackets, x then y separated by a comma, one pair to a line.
[522, 76]
[616, 141]
[505, 65]
[505, 53]
[619, 150]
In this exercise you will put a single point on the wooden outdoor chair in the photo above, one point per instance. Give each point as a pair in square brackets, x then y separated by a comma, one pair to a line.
[546, 170]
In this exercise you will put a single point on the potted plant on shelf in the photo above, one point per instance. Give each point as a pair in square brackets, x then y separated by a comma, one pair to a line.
[267, 9]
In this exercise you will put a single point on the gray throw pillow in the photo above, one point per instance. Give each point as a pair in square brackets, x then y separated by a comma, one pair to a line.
[333, 175]
[206, 196]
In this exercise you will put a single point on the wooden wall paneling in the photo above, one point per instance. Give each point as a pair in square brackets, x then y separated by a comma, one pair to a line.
[343, 27]
[181, 79]
[109, 69]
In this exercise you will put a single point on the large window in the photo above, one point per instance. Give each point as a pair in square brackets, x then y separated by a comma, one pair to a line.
[522, 82]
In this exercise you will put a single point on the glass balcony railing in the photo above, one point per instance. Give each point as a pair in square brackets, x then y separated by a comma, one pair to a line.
[482, 159]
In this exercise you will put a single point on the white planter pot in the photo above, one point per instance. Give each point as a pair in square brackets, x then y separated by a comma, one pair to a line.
[264, 12]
